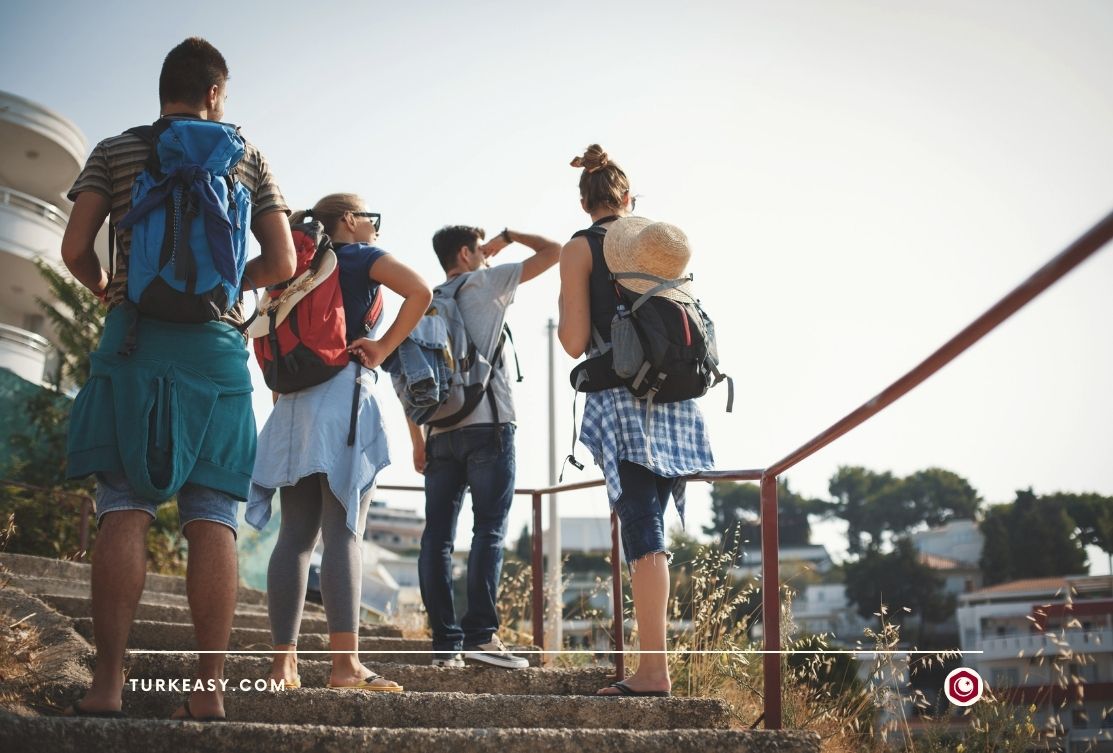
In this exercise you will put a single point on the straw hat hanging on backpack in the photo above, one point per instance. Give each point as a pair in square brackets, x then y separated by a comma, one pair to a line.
[638, 245]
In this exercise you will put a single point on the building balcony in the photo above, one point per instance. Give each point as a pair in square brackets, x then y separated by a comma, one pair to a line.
[41, 151]
[30, 230]
[23, 353]
[1073, 641]
[30, 227]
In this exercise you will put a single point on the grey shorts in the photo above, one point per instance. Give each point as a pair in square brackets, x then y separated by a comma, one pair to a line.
[194, 502]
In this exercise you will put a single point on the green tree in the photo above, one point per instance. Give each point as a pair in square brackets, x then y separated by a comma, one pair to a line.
[1033, 537]
[523, 548]
[736, 514]
[899, 580]
[874, 504]
[1093, 514]
[78, 319]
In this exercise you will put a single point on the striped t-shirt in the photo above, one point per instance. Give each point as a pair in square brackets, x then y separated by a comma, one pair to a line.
[117, 161]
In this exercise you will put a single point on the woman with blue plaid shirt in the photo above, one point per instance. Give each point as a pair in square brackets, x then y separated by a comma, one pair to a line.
[644, 451]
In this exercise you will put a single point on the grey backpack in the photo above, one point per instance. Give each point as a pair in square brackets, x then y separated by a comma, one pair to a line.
[469, 371]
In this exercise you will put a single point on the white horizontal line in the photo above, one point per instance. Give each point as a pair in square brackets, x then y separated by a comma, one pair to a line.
[678, 652]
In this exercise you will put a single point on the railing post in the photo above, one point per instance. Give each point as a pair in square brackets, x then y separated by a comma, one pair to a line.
[771, 602]
[538, 578]
[616, 596]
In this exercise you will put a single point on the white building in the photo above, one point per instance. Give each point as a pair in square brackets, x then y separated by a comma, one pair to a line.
[813, 557]
[958, 540]
[823, 608]
[1036, 636]
[393, 528]
[41, 153]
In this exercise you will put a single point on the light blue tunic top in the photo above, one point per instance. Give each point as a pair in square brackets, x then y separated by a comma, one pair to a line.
[307, 433]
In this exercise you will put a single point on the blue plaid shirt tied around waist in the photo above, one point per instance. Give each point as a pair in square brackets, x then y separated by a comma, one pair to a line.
[673, 444]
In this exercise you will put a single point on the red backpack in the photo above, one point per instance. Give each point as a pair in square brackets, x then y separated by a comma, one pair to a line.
[299, 333]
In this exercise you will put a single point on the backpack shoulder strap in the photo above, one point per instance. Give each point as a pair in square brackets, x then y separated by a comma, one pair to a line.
[149, 134]
[597, 231]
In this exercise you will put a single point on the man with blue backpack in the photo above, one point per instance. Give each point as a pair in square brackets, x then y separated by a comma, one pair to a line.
[167, 409]
[471, 431]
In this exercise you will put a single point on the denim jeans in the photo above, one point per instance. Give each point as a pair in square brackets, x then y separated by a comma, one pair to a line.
[195, 502]
[641, 510]
[480, 458]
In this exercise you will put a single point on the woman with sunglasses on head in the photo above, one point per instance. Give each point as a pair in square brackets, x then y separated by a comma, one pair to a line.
[325, 479]
[643, 457]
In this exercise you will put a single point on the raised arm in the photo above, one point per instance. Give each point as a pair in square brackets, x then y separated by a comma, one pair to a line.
[545, 252]
[416, 294]
[574, 329]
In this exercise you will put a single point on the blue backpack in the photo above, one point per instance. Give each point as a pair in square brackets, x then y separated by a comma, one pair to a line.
[189, 220]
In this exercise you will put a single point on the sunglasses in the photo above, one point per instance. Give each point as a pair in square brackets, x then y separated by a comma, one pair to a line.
[375, 217]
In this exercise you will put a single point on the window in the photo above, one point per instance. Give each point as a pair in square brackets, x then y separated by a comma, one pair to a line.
[1005, 678]
[1079, 719]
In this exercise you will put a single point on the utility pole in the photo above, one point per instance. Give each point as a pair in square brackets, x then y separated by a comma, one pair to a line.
[554, 633]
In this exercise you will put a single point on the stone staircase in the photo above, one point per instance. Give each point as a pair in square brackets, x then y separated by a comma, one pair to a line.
[534, 710]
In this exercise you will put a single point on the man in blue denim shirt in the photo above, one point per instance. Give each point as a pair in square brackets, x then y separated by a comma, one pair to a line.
[476, 453]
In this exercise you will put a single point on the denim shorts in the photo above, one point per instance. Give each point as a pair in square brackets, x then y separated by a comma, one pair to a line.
[194, 502]
[641, 510]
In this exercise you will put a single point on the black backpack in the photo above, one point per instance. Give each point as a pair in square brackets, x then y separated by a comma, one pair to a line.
[661, 350]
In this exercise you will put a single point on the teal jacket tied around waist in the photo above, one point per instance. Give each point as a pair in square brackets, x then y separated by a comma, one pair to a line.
[176, 410]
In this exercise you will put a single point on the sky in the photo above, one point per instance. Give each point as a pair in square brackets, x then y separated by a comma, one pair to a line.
[859, 180]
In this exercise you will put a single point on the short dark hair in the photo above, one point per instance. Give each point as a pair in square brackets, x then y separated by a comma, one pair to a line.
[449, 239]
[189, 70]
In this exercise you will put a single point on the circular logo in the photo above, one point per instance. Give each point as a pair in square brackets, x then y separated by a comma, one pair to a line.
[963, 687]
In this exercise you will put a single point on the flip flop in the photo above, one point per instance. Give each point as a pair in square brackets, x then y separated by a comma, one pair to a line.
[190, 717]
[626, 690]
[293, 684]
[76, 710]
[366, 684]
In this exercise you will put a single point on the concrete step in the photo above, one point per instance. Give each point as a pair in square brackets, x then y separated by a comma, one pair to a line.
[173, 636]
[246, 617]
[63, 586]
[354, 708]
[420, 678]
[44, 585]
[80, 572]
[61, 735]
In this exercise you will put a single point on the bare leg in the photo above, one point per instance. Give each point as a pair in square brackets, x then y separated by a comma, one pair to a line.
[649, 580]
[211, 581]
[346, 666]
[119, 570]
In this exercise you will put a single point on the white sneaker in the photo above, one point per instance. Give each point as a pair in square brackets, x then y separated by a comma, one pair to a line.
[495, 653]
[448, 660]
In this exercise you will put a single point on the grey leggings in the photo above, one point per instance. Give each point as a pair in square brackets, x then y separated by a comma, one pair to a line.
[309, 508]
